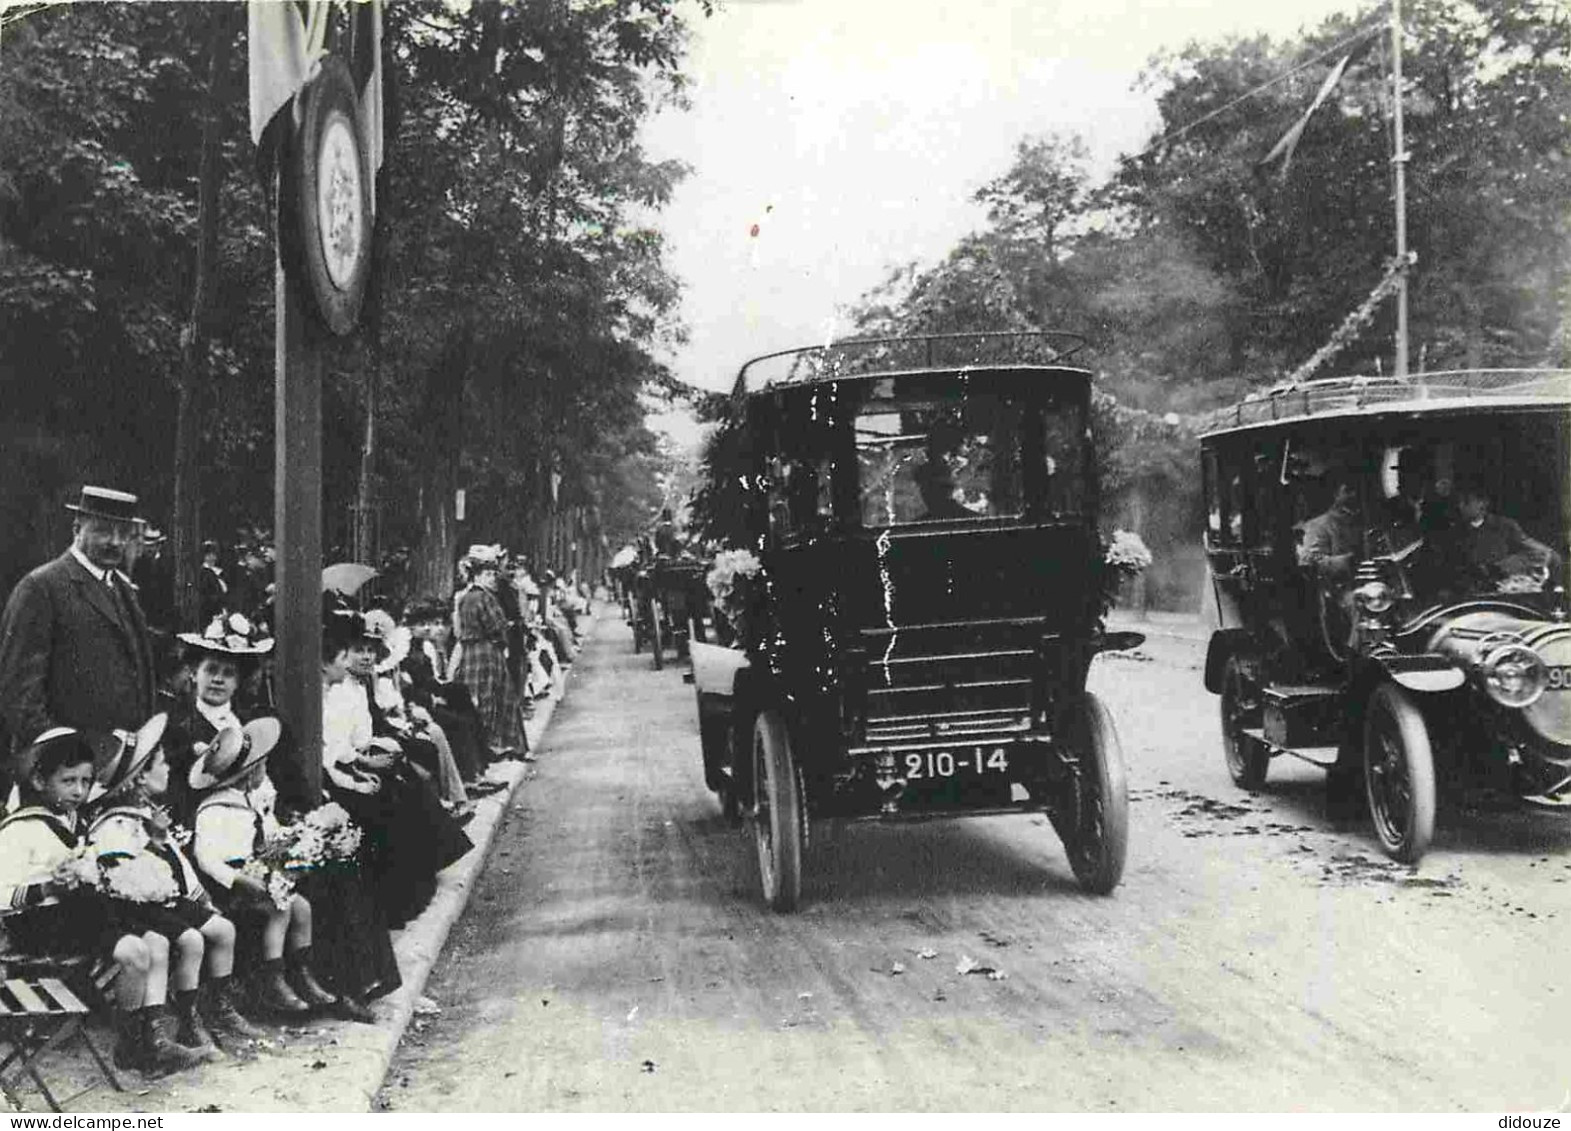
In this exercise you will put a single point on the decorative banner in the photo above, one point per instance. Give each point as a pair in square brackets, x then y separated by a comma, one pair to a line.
[1289, 142]
[285, 50]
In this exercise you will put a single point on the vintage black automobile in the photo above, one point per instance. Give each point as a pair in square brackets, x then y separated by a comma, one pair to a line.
[928, 599]
[1411, 637]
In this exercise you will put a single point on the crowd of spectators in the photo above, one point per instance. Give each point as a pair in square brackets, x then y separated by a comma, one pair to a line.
[161, 819]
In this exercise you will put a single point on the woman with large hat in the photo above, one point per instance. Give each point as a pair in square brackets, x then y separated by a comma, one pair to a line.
[221, 659]
[409, 835]
[482, 636]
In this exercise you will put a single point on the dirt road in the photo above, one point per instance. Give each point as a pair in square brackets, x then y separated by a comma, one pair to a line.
[616, 954]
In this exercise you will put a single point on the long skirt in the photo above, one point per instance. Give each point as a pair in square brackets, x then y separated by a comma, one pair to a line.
[483, 670]
[350, 948]
[408, 838]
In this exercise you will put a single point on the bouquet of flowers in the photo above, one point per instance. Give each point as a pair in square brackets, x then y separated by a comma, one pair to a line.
[1124, 556]
[340, 837]
[79, 870]
[142, 878]
[737, 582]
[280, 884]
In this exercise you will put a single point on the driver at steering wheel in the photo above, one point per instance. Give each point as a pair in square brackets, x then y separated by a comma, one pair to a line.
[1332, 540]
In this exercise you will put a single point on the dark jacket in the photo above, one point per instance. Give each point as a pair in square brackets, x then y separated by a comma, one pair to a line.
[69, 658]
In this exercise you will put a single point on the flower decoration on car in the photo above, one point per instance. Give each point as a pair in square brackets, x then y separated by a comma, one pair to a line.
[1124, 555]
[737, 582]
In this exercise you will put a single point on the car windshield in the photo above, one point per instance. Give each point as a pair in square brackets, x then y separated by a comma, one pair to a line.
[942, 451]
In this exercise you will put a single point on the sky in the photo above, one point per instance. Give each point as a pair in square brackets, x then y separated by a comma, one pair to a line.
[853, 133]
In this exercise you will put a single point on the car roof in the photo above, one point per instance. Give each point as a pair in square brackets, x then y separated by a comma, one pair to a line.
[1458, 392]
[855, 359]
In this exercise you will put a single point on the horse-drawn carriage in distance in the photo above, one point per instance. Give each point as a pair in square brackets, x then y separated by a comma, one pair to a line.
[669, 601]
[1388, 560]
[916, 587]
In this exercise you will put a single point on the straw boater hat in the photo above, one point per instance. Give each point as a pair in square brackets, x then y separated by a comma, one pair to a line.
[95, 751]
[102, 502]
[233, 636]
[134, 750]
[233, 752]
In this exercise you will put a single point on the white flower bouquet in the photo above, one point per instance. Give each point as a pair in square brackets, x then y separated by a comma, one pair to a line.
[79, 870]
[1124, 555]
[1127, 553]
[736, 581]
[340, 837]
[142, 878]
[280, 884]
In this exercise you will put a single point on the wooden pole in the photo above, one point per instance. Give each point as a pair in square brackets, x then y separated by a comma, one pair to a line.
[1399, 159]
[297, 520]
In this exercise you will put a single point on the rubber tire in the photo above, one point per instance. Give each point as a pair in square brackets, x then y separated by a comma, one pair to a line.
[330, 93]
[777, 818]
[1396, 739]
[1247, 761]
[656, 633]
[1097, 853]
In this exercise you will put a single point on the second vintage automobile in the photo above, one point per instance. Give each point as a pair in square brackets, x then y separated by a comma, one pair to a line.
[1387, 558]
[917, 587]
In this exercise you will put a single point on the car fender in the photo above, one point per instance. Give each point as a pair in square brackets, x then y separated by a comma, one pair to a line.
[1224, 643]
[1425, 673]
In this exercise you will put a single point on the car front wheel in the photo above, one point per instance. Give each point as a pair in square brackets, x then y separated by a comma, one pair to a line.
[1247, 759]
[777, 814]
[1096, 830]
[1399, 774]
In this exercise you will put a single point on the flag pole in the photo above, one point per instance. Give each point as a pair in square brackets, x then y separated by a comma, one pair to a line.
[1399, 159]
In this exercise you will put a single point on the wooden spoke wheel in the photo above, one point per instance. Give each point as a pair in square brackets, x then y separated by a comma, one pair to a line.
[1247, 760]
[777, 817]
[1399, 774]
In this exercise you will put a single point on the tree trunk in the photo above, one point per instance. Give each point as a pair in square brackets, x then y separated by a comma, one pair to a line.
[193, 338]
[443, 411]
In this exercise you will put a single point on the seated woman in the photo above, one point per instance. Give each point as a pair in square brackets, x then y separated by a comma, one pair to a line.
[373, 663]
[409, 836]
[423, 670]
[54, 907]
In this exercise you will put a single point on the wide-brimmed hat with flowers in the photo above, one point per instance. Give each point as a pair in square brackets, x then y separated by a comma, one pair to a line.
[135, 751]
[233, 752]
[392, 639]
[229, 635]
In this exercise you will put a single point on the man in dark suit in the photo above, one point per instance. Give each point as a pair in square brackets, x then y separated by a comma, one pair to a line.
[74, 645]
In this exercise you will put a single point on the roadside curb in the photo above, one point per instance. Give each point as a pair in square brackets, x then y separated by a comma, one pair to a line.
[420, 944]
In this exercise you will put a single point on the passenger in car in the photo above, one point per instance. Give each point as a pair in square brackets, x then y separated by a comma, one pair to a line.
[1492, 546]
[1332, 540]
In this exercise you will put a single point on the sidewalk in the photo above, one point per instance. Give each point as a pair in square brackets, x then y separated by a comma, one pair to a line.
[330, 1066]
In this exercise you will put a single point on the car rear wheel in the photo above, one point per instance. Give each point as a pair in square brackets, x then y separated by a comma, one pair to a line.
[777, 813]
[1096, 832]
[1399, 774]
[1247, 760]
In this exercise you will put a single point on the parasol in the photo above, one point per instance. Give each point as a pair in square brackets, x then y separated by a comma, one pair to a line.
[346, 578]
[626, 556]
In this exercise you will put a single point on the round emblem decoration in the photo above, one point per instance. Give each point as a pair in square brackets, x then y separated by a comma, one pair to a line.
[326, 199]
[338, 202]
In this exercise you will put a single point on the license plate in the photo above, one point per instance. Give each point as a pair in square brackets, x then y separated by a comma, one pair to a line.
[1559, 677]
[978, 761]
